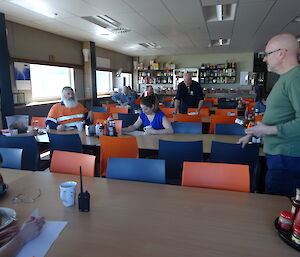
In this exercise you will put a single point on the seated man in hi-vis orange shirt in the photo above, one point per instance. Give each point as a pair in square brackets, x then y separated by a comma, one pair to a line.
[68, 113]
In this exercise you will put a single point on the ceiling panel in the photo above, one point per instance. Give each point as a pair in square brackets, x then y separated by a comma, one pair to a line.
[220, 29]
[293, 28]
[215, 2]
[186, 12]
[276, 21]
[245, 26]
[111, 7]
[77, 7]
[153, 11]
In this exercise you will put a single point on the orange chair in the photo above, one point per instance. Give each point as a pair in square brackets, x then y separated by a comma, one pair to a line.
[168, 99]
[162, 106]
[138, 101]
[225, 112]
[119, 126]
[220, 119]
[118, 109]
[100, 116]
[250, 106]
[234, 177]
[39, 122]
[248, 99]
[120, 147]
[188, 118]
[69, 163]
[258, 118]
[203, 111]
[213, 100]
[168, 112]
[108, 106]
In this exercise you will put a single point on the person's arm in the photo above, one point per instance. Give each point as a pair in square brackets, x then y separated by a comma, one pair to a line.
[133, 127]
[245, 140]
[176, 105]
[166, 130]
[30, 230]
[117, 98]
[51, 120]
[199, 105]
[178, 98]
[261, 130]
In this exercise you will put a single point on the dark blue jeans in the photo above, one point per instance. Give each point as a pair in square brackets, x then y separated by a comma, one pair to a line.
[283, 175]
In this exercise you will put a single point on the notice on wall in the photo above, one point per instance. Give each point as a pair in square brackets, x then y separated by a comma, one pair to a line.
[22, 75]
[103, 62]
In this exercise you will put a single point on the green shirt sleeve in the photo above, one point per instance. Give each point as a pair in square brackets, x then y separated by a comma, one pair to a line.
[291, 128]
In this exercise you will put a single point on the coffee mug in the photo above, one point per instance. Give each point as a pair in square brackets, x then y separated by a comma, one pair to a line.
[79, 126]
[68, 193]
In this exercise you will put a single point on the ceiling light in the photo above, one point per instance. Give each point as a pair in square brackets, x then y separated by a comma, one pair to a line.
[38, 6]
[220, 12]
[220, 42]
[219, 9]
[297, 19]
[151, 45]
[107, 23]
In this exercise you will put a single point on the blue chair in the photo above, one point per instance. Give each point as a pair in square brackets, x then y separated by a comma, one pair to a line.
[99, 109]
[128, 119]
[144, 170]
[175, 153]
[210, 104]
[227, 104]
[168, 104]
[229, 129]
[235, 154]
[30, 155]
[11, 158]
[63, 142]
[187, 127]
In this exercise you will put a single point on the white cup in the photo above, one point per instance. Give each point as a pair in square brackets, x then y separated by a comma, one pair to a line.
[68, 193]
[79, 126]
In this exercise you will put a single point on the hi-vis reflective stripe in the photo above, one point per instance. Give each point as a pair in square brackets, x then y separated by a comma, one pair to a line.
[51, 119]
[73, 124]
[70, 117]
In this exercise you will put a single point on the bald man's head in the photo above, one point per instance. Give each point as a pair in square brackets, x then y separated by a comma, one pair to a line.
[281, 53]
[286, 41]
[187, 78]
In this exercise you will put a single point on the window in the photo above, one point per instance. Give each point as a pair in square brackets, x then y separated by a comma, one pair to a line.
[103, 81]
[128, 79]
[48, 81]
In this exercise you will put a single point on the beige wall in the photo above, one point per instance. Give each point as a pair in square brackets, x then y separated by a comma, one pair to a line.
[30, 43]
[244, 61]
[117, 60]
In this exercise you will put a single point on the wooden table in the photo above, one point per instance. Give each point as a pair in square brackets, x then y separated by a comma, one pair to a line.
[150, 142]
[143, 220]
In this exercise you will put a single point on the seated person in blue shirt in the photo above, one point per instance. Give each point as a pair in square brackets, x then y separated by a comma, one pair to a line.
[152, 118]
[124, 98]
[260, 105]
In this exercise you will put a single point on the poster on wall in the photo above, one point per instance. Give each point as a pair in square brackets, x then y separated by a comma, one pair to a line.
[22, 75]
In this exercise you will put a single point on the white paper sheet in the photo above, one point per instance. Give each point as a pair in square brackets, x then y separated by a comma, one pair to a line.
[39, 246]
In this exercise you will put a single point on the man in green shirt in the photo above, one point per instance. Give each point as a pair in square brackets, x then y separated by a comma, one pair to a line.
[280, 127]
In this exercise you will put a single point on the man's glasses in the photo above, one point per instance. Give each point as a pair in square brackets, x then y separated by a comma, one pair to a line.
[22, 198]
[274, 51]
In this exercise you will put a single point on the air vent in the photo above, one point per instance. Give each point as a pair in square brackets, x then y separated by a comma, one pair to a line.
[150, 45]
[220, 42]
[108, 23]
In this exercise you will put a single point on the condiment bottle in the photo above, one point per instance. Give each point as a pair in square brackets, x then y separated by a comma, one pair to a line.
[296, 235]
[296, 202]
[285, 220]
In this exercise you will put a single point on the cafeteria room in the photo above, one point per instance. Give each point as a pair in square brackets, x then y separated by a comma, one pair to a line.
[175, 122]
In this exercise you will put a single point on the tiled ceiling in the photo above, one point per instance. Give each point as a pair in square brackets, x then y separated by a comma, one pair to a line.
[177, 26]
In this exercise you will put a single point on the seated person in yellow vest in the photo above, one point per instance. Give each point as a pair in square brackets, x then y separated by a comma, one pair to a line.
[68, 112]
